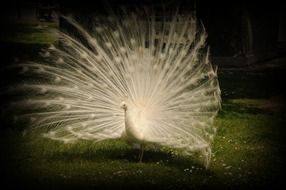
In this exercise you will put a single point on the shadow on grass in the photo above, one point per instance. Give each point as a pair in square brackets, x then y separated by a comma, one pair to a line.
[111, 150]
[38, 162]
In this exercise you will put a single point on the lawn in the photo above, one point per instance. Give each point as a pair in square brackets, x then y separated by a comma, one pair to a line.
[248, 151]
[28, 32]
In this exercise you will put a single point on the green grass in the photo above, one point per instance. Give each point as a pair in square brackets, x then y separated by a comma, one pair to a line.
[28, 33]
[247, 151]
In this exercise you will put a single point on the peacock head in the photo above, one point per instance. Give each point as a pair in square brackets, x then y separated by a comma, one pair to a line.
[124, 105]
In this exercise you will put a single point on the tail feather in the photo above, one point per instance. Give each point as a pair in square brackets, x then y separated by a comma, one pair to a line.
[162, 66]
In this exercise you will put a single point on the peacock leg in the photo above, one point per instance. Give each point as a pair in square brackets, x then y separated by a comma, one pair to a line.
[141, 152]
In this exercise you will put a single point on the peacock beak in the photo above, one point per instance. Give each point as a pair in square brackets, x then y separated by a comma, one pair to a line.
[123, 106]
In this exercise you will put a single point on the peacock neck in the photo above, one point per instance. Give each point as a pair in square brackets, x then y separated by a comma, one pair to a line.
[132, 129]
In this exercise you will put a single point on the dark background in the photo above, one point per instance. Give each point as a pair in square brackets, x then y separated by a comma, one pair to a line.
[247, 41]
[243, 32]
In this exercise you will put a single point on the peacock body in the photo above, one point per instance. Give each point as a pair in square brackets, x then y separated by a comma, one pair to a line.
[129, 76]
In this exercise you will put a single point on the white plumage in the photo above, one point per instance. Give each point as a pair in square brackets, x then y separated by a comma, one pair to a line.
[130, 77]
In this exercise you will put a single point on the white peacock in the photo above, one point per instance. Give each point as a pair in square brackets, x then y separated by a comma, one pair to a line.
[131, 77]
